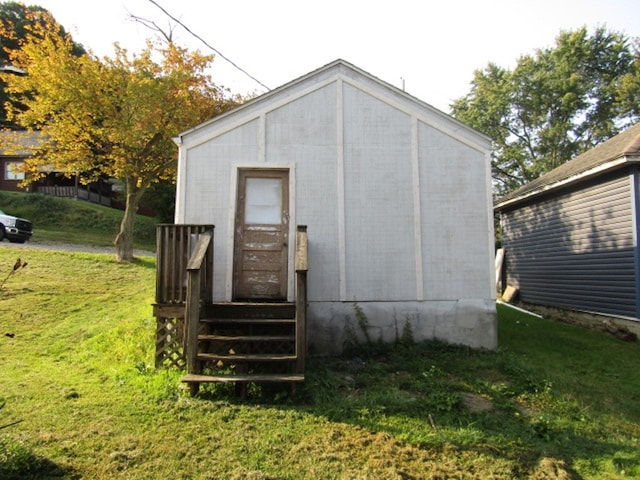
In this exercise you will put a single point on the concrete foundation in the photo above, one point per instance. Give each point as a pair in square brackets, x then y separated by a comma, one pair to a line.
[471, 323]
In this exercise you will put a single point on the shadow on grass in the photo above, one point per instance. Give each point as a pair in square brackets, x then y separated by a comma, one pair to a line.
[418, 393]
[145, 262]
[19, 463]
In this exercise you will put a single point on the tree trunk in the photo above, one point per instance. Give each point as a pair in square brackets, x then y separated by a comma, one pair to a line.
[124, 239]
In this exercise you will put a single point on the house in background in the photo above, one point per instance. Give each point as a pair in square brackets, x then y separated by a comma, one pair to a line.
[395, 195]
[571, 236]
[16, 147]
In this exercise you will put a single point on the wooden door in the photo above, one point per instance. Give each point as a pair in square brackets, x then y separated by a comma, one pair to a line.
[261, 235]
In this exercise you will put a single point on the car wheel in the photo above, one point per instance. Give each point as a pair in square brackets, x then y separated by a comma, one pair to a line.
[2, 234]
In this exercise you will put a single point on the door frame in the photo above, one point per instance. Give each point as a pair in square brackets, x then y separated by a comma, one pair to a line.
[233, 211]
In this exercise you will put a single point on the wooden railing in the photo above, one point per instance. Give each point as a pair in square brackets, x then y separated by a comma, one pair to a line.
[195, 269]
[175, 245]
[301, 266]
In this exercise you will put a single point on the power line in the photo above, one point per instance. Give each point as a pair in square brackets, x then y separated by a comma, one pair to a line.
[208, 45]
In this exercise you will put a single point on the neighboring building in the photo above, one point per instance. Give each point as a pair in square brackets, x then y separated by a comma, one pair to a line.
[16, 146]
[571, 236]
[396, 196]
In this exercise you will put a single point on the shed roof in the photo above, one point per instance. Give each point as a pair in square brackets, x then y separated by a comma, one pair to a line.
[619, 150]
[349, 72]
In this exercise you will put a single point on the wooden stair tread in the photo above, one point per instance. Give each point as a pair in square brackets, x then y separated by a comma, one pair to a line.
[248, 338]
[287, 377]
[261, 321]
[253, 304]
[257, 357]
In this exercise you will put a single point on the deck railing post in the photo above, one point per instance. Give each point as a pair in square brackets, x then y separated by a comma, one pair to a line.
[301, 266]
[192, 320]
[192, 304]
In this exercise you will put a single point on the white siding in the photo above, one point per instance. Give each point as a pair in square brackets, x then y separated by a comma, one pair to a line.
[304, 132]
[452, 178]
[209, 175]
[380, 247]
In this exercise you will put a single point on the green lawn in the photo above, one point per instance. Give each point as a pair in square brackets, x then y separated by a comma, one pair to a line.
[555, 401]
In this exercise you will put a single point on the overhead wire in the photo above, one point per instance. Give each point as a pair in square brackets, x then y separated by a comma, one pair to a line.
[235, 65]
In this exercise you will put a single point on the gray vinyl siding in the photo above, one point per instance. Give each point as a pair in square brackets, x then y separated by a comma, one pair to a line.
[577, 249]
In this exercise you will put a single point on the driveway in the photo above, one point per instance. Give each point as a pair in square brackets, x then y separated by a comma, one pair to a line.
[70, 247]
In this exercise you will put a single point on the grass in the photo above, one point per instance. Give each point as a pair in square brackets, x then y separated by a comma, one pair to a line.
[74, 221]
[555, 401]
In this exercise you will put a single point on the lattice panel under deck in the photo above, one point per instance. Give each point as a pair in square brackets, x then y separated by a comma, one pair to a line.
[169, 342]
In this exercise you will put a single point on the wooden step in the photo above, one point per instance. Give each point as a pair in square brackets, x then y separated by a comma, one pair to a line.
[248, 321]
[286, 377]
[275, 303]
[257, 357]
[247, 338]
[256, 310]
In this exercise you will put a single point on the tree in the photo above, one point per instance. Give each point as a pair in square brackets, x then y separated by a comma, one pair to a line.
[555, 104]
[115, 117]
[16, 20]
[629, 93]
[161, 198]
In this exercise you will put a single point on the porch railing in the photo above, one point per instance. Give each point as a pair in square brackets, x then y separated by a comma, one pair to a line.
[301, 267]
[195, 269]
[175, 246]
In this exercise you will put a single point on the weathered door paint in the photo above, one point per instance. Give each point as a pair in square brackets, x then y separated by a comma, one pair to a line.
[261, 235]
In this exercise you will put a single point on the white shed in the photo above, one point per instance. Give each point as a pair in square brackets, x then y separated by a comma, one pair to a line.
[395, 194]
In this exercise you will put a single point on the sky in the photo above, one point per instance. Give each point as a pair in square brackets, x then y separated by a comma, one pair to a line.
[430, 49]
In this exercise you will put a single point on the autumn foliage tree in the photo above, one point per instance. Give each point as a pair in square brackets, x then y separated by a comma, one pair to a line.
[554, 104]
[16, 20]
[113, 117]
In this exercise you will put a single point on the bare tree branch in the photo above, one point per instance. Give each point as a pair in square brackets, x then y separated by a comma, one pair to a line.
[208, 45]
[151, 25]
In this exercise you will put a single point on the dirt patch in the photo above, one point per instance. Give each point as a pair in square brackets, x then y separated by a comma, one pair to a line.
[552, 469]
[475, 403]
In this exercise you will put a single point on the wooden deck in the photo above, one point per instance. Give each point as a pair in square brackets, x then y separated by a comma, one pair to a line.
[239, 342]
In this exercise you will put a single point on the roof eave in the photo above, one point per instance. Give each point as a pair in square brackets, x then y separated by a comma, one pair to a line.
[600, 169]
[486, 140]
[260, 98]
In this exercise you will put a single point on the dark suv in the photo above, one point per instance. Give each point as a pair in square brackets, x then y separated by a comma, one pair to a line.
[15, 229]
